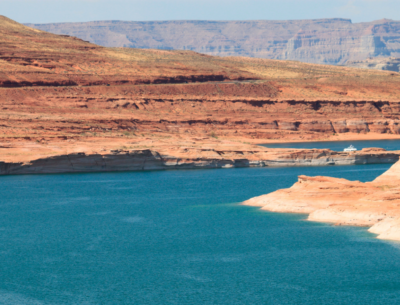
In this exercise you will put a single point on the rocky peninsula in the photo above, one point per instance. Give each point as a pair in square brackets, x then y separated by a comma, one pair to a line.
[374, 204]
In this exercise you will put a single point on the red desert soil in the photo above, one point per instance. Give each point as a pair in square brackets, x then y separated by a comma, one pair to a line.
[62, 95]
[374, 204]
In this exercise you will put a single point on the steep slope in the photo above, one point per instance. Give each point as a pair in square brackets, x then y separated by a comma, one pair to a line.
[30, 57]
[324, 41]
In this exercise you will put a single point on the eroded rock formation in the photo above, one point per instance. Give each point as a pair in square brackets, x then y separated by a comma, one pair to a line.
[194, 158]
[324, 41]
[61, 95]
[374, 204]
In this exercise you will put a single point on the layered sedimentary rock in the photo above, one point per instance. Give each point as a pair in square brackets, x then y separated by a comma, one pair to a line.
[327, 41]
[374, 204]
[194, 158]
[61, 96]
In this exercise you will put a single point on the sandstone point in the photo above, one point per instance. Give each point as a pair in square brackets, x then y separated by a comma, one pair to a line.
[374, 204]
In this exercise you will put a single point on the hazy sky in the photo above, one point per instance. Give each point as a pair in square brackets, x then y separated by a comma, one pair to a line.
[44, 11]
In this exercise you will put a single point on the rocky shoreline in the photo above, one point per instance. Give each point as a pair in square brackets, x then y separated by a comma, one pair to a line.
[190, 158]
[373, 204]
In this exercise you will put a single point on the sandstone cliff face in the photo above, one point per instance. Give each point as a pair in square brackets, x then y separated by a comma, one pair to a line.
[375, 204]
[193, 158]
[327, 41]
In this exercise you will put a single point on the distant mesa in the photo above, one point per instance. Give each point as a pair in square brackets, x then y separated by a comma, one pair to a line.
[323, 41]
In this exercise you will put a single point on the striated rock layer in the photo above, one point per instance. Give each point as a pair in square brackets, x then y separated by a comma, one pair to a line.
[374, 204]
[324, 41]
[60, 95]
[192, 158]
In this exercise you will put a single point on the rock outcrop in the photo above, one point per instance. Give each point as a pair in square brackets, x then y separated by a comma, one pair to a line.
[192, 158]
[374, 204]
[324, 41]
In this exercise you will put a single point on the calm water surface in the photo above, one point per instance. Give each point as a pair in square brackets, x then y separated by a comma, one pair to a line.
[340, 145]
[180, 237]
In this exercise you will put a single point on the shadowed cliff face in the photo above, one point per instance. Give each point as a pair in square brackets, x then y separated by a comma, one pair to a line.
[325, 41]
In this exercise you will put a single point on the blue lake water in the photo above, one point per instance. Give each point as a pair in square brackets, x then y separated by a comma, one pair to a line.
[180, 237]
[340, 145]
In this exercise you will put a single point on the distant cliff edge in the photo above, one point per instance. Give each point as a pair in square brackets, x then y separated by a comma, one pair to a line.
[323, 41]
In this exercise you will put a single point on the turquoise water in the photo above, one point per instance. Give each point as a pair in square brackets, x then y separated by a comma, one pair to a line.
[340, 145]
[180, 237]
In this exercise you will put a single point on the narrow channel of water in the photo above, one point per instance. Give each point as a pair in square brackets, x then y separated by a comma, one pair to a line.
[180, 237]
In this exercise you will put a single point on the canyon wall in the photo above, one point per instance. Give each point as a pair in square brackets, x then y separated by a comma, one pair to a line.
[326, 41]
[62, 96]
[194, 158]
[227, 111]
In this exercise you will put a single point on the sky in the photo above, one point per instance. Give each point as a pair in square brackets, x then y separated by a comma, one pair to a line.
[50, 11]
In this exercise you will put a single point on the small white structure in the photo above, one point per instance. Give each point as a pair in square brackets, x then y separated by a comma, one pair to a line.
[350, 148]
